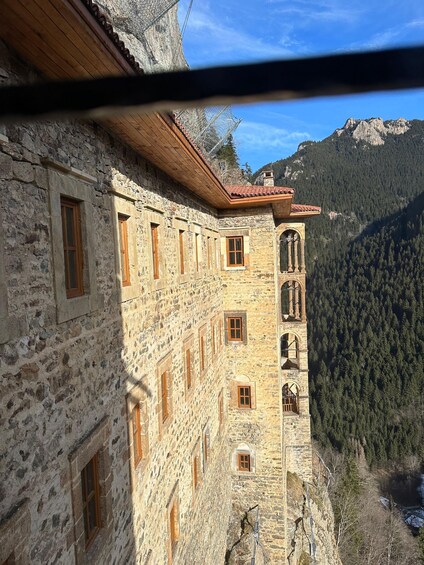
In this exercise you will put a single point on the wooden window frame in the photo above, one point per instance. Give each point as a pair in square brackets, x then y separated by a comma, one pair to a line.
[87, 497]
[154, 234]
[196, 251]
[188, 365]
[221, 413]
[137, 402]
[124, 250]
[15, 531]
[233, 330]
[181, 248]
[164, 391]
[136, 434]
[95, 444]
[74, 205]
[235, 251]
[206, 447]
[203, 359]
[242, 338]
[242, 396]
[244, 458]
[173, 523]
[235, 386]
[164, 377]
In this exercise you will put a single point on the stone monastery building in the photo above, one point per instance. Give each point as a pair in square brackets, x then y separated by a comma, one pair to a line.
[153, 367]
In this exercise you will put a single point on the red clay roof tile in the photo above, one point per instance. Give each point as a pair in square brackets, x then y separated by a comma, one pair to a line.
[249, 191]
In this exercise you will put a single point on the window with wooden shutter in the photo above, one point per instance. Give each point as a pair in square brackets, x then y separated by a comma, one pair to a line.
[136, 430]
[154, 231]
[164, 396]
[72, 247]
[243, 462]
[244, 396]
[235, 328]
[188, 368]
[123, 248]
[91, 499]
[196, 251]
[235, 254]
[173, 525]
[181, 250]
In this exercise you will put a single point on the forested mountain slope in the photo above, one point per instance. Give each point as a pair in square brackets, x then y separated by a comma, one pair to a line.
[365, 283]
[367, 340]
[362, 172]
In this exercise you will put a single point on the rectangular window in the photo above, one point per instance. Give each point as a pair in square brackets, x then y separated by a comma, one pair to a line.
[213, 338]
[221, 409]
[173, 525]
[154, 230]
[235, 329]
[235, 256]
[123, 248]
[91, 499]
[188, 368]
[208, 250]
[205, 448]
[196, 250]
[164, 395]
[244, 395]
[136, 431]
[220, 333]
[202, 353]
[243, 462]
[196, 471]
[181, 248]
[72, 247]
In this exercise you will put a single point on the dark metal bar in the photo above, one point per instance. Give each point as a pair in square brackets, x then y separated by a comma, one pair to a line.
[331, 75]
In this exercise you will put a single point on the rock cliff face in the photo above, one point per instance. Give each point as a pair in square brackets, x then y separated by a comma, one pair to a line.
[157, 48]
[374, 130]
[310, 524]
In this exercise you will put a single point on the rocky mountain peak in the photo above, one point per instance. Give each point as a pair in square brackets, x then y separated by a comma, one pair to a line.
[373, 130]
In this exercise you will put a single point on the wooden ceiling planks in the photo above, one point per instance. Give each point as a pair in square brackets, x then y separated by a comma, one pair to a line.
[64, 41]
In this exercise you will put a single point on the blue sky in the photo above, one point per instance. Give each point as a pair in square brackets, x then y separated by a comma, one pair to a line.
[229, 31]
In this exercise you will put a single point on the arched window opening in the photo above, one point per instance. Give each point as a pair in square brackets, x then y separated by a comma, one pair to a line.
[289, 351]
[292, 252]
[291, 301]
[290, 398]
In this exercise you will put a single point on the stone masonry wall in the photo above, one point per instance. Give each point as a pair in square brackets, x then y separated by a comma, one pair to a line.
[258, 430]
[61, 381]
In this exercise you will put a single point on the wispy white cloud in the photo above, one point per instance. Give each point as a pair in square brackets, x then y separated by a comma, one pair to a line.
[307, 11]
[222, 39]
[390, 36]
[259, 135]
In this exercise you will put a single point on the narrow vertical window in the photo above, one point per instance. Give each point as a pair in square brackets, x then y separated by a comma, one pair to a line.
[235, 256]
[220, 333]
[235, 329]
[221, 409]
[213, 338]
[136, 430]
[244, 394]
[154, 229]
[208, 243]
[173, 526]
[181, 249]
[91, 499]
[196, 471]
[202, 353]
[196, 250]
[123, 248]
[72, 247]
[205, 448]
[188, 368]
[164, 395]
[243, 462]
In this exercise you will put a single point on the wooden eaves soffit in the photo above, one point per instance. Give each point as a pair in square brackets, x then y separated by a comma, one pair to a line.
[72, 39]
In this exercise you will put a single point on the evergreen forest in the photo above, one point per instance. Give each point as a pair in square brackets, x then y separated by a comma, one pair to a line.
[365, 289]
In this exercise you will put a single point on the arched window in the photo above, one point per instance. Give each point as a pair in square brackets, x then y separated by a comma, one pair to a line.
[291, 301]
[292, 257]
[290, 398]
[289, 351]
